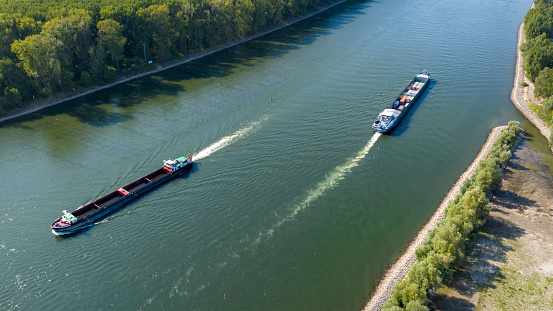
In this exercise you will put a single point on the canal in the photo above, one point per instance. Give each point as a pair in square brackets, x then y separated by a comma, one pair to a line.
[293, 202]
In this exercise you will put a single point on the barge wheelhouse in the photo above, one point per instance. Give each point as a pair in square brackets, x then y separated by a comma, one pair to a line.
[87, 214]
[393, 113]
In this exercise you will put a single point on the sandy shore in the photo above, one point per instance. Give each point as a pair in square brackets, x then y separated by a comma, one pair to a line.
[400, 268]
[521, 96]
[67, 96]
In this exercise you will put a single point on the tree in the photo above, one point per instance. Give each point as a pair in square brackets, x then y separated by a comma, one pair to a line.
[476, 206]
[7, 35]
[156, 29]
[13, 97]
[538, 21]
[111, 38]
[39, 55]
[12, 75]
[488, 176]
[537, 54]
[244, 16]
[74, 33]
[544, 83]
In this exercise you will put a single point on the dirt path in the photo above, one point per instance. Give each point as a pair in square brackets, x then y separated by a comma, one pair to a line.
[399, 269]
[510, 263]
[67, 96]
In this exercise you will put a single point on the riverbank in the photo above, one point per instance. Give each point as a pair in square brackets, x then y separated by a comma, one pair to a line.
[509, 263]
[521, 96]
[400, 268]
[67, 96]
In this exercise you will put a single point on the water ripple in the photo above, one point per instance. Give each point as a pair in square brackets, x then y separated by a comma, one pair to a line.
[328, 183]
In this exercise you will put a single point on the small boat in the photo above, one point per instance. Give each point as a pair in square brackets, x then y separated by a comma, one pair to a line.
[86, 215]
[393, 113]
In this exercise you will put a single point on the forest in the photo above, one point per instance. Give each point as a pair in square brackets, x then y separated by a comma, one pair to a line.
[537, 55]
[47, 47]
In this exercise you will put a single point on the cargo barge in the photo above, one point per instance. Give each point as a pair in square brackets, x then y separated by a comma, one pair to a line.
[391, 116]
[86, 215]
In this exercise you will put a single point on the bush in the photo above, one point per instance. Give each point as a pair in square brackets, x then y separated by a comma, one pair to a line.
[444, 249]
[547, 109]
[416, 305]
[12, 97]
[523, 84]
[85, 80]
[544, 83]
[514, 125]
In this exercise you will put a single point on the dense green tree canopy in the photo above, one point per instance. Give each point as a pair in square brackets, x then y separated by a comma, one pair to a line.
[111, 39]
[544, 83]
[537, 54]
[537, 51]
[48, 46]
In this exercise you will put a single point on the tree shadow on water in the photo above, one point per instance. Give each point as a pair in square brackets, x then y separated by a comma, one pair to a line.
[100, 108]
[88, 109]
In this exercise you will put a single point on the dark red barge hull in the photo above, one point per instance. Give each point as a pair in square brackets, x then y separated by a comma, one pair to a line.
[88, 214]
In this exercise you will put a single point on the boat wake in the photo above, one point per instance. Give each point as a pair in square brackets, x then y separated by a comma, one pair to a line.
[328, 183]
[227, 140]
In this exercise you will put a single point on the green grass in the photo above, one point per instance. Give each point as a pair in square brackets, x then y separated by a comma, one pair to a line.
[540, 113]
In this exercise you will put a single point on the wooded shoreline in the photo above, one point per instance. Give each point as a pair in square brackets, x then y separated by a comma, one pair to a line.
[68, 96]
[402, 265]
[519, 98]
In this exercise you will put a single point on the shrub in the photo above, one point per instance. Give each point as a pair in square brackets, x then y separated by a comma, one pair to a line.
[416, 305]
[85, 80]
[544, 83]
[12, 97]
[444, 249]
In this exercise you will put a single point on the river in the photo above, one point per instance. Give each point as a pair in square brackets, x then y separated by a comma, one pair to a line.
[293, 202]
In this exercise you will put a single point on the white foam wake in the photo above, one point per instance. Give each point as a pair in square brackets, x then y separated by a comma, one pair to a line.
[328, 183]
[227, 140]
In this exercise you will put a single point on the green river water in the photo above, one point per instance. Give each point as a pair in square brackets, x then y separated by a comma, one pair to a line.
[293, 202]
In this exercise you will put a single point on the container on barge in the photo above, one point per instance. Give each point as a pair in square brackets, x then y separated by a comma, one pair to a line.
[393, 113]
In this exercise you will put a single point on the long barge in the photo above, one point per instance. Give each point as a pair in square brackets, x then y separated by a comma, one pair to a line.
[393, 113]
[86, 215]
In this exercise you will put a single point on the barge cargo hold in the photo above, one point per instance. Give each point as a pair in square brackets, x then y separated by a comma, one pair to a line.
[391, 116]
[86, 215]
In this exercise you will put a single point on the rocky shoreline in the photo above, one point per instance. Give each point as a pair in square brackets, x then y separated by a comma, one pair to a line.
[521, 97]
[67, 96]
[400, 268]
